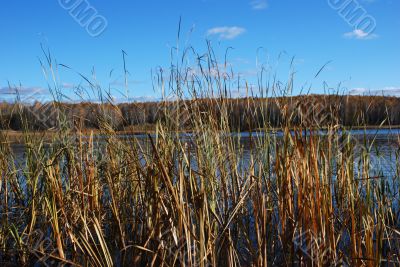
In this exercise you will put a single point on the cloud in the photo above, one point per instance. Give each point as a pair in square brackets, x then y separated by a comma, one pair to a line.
[121, 83]
[22, 91]
[141, 99]
[136, 99]
[226, 33]
[68, 85]
[259, 4]
[26, 94]
[386, 91]
[360, 35]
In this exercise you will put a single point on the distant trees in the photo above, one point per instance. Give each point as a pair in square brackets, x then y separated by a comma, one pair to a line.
[243, 114]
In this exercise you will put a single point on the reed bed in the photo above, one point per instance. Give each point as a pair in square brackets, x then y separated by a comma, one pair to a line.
[293, 197]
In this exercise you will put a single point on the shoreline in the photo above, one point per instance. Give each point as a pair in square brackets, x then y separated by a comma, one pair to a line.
[16, 137]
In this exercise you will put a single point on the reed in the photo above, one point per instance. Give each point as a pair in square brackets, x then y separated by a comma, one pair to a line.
[208, 198]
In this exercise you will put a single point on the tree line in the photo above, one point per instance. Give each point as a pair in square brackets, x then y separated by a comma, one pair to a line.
[243, 113]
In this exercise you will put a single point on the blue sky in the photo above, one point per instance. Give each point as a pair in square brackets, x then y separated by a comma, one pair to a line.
[312, 31]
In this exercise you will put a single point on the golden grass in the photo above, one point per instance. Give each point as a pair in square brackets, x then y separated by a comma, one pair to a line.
[203, 199]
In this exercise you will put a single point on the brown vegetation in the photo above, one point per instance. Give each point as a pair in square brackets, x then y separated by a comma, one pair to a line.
[209, 198]
[134, 117]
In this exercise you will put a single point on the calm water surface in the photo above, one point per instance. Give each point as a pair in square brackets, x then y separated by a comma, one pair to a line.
[384, 146]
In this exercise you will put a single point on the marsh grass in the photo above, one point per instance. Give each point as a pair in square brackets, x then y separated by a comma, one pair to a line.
[199, 199]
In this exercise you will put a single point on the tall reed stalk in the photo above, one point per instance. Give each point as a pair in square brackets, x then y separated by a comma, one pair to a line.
[293, 196]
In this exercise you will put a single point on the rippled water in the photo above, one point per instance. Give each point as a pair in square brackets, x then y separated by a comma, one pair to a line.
[383, 144]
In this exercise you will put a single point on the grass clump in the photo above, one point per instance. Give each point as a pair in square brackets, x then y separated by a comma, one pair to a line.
[309, 193]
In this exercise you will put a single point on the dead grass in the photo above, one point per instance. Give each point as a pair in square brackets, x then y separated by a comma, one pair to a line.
[203, 199]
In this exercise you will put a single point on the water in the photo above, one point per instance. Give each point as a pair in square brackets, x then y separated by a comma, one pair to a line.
[383, 147]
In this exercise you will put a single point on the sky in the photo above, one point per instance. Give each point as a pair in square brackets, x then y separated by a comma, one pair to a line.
[360, 53]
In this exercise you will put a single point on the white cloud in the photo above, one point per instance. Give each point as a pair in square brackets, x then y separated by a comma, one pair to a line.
[259, 4]
[137, 99]
[121, 83]
[360, 35]
[226, 33]
[22, 91]
[68, 85]
[24, 94]
[358, 91]
[386, 91]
